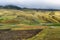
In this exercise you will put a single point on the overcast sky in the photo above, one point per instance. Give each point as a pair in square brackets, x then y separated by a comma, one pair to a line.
[46, 4]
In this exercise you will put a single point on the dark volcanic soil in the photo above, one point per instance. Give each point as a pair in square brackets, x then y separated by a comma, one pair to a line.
[18, 34]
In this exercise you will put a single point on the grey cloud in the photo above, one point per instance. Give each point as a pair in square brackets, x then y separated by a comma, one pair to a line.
[31, 4]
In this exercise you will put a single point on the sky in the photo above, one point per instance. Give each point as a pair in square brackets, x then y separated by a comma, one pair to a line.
[43, 4]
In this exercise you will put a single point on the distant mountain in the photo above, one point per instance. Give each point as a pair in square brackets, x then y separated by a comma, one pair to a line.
[19, 8]
[10, 7]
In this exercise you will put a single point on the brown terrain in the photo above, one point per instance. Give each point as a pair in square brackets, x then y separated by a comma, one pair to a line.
[20, 33]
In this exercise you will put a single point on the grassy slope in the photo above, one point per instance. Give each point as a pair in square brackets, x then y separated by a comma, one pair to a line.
[29, 16]
[17, 18]
[53, 34]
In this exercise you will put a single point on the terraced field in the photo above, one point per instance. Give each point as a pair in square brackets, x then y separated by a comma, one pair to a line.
[29, 25]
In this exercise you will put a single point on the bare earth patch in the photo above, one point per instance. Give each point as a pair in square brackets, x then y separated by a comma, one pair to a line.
[18, 34]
